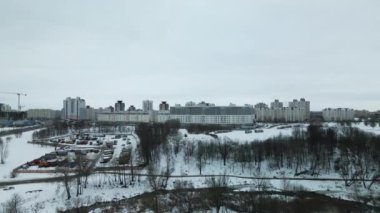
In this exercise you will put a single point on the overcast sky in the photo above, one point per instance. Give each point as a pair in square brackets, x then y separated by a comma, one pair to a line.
[327, 51]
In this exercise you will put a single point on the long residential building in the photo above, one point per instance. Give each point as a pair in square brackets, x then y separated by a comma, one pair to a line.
[43, 114]
[219, 115]
[338, 114]
[137, 116]
[195, 114]
[297, 111]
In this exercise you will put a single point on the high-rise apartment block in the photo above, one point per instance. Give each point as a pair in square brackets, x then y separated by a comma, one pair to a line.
[74, 108]
[164, 106]
[147, 105]
[119, 106]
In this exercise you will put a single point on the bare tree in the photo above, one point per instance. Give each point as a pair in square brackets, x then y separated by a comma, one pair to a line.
[83, 170]
[346, 167]
[64, 171]
[14, 204]
[132, 167]
[37, 207]
[217, 188]
[154, 182]
[200, 156]
[262, 184]
[153, 179]
[185, 197]
[3, 150]
[224, 148]
[169, 167]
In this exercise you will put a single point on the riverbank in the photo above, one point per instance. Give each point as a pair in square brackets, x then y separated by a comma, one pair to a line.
[19, 130]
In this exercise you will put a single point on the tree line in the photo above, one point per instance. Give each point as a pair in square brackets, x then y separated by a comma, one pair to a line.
[348, 151]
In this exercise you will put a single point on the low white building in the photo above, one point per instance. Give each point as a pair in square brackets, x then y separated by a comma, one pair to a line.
[211, 114]
[338, 114]
[43, 114]
[161, 116]
[127, 117]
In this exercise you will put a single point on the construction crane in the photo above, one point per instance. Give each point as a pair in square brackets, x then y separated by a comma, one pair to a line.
[18, 95]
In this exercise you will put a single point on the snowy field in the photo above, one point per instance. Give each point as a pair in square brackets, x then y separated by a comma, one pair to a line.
[53, 196]
[374, 130]
[242, 137]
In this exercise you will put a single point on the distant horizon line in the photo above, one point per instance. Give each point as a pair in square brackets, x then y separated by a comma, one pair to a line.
[197, 102]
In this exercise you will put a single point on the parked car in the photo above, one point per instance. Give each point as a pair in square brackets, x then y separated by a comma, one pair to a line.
[105, 159]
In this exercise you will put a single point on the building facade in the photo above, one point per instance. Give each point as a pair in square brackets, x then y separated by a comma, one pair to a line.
[164, 106]
[5, 108]
[48, 114]
[297, 111]
[199, 114]
[74, 109]
[210, 114]
[91, 113]
[119, 106]
[338, 114]
[131, 108]
[127, 117]
[147, 105]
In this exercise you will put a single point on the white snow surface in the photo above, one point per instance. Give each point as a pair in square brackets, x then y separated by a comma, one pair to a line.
[20, 152]
[375, 130]
[242, 137]
[54, 197]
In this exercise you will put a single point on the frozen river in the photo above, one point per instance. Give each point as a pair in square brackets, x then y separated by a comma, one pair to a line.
[19, 152]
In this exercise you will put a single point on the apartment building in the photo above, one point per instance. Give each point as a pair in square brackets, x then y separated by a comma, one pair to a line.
[43, 114]
[338, 114]
[204, 113]
[5, 107]
[137, 116]
[296, 111]
[147, 105]
[74, 109]
[119, 106]
[164, 106]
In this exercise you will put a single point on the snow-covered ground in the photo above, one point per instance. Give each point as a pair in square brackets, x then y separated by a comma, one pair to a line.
[374, 130]
[8, 128]
[20, 152]
[2, 129]
[54, 197]
[242, 137]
